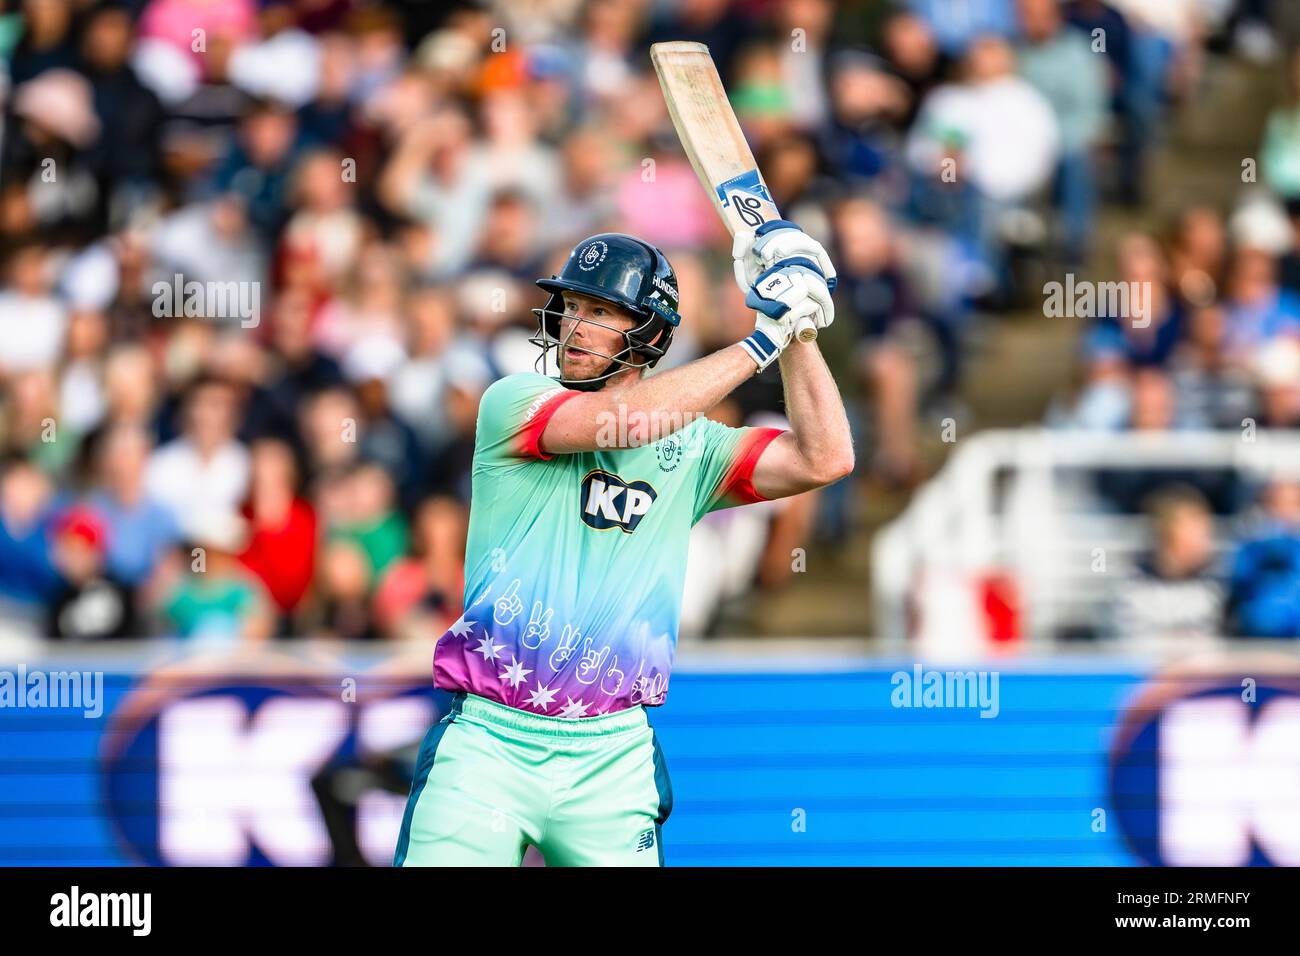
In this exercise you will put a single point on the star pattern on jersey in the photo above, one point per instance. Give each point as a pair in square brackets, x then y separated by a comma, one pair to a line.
[488, 649]
[541, 697]
[462, 628]
[574, 708]
[515, 673]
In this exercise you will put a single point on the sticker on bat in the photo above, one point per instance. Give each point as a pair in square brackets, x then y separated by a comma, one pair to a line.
[750, 197]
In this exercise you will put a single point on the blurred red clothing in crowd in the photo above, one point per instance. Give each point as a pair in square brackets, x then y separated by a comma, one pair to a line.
[284, 557]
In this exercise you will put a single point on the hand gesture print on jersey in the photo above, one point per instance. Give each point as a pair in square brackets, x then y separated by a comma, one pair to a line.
[538, 631]
[566, 648]
[612, 682]
[591, 662]
[648, 690]
[507, 607]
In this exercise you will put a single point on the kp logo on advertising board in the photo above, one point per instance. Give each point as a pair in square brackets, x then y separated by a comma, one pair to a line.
[1205, 769]
[223, 770]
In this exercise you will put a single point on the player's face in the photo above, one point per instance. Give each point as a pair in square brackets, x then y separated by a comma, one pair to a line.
[593, 325]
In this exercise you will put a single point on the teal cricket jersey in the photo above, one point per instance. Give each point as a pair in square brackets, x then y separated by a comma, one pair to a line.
[575, 563]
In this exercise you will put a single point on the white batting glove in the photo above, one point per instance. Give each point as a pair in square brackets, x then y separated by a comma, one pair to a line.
[781, 297]
[780, 242]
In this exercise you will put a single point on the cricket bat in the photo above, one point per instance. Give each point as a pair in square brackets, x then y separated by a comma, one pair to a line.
[713, 141]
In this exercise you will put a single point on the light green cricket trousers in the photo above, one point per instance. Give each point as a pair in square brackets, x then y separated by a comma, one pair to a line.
[490, 780]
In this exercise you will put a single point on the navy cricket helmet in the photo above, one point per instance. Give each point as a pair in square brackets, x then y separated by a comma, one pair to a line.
[625, 272]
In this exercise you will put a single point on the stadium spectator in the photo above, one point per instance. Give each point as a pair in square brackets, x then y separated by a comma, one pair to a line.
[994, 131]
[46, 164]
[1258, 310]
[343, 604]
[1277, 376]
[202, 475]
[1146, 334]
[1059, 63]
[1212, 390]
[1153, 407]
[206, 596]
[325, 225]
[1100, 21]
[1175, 599]
[27, 508]
[913, 55]
[89, 603]
[868, 104]
[1264, 591]
[875, 294]
[46, 42]
[957, 24]
[1198, 256]
[1279, 154]
[1138, 329]
[257, 167]
[127, 157]
[365, 514]
[422, 594]
[385, 438]
[329, 423]
[130, 387]
[139, 529]
[804, 64]
[281, 548]
[30, 423]
[437, 353]
[434, 176]
[80, 383]
[33, 322]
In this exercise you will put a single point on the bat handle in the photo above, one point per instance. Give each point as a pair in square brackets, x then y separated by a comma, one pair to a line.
[806, 330]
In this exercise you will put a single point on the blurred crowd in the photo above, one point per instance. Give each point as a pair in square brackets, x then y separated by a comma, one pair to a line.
[1215, 345]
[379, 184]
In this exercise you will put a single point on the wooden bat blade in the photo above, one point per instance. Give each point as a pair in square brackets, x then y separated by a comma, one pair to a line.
[710, 134]
[713, 140]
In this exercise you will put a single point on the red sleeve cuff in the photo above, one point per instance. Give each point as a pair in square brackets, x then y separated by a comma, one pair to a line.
[737, 483]
[530, 436]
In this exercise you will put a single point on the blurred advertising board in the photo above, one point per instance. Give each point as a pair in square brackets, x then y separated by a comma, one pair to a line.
[303, 759]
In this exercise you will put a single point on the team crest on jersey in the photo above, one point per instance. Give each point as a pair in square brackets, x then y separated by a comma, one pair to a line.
[610, 502]
[668, 452]
[592, 255]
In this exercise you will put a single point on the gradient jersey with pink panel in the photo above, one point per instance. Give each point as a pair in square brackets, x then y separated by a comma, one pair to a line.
[575, 563]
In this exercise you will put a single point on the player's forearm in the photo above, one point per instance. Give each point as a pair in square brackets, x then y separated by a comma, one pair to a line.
[649, 408]
[818, 421]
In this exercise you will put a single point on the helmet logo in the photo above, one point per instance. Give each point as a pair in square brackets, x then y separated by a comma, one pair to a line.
[592, 255]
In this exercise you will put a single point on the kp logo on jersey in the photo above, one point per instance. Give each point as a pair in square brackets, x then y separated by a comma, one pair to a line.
[610, 502]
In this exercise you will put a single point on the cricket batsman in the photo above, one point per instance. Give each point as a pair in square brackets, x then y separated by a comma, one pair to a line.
[585, 490]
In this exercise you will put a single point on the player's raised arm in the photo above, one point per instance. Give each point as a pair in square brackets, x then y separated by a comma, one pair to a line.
[650, 408]
[612, 314]
[818, 448]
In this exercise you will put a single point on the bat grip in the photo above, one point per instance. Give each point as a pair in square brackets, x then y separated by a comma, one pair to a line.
[805, 330]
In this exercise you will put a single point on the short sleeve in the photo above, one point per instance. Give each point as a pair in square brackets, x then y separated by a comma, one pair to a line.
[726, 458]
[512, 415]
